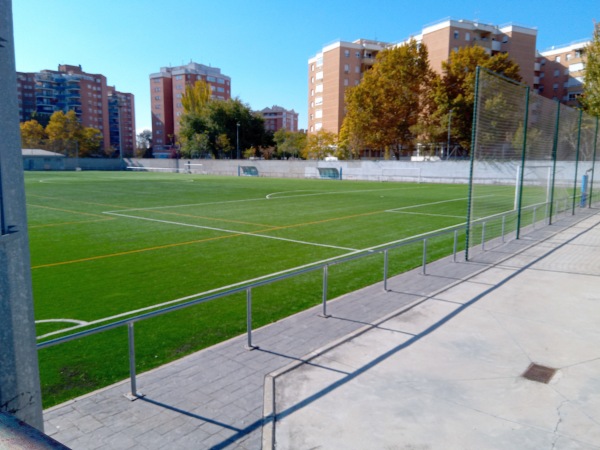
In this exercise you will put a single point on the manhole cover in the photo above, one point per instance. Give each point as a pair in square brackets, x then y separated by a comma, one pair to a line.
[538, 373]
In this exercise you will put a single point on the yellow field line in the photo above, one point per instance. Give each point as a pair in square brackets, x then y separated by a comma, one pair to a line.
[130, 252]
[70, 223]
[67, 210]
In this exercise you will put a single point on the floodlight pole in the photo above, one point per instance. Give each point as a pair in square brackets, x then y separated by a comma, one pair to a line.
[20, 393]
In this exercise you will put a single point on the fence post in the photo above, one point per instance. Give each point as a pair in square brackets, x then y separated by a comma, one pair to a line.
[472, 157]
[325, 275]
[554, 152]
[483, 236]
[503, 226]
[576, 163]
[593, 165]
[134, 394]
[425, 256]
[385, 269]
[523, 155]
[534, 214]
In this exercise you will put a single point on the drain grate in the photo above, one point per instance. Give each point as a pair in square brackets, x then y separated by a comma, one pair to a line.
[538, 373]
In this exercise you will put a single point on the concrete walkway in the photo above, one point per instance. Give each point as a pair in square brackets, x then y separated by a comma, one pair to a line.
[444, 374]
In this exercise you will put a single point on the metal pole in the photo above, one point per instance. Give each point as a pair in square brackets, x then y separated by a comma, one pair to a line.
[455, 246]
[237, 138]
[483, 236]
[385, 269]
[523, 154]
[503, 227]
[249, 317]
[449, 128]
[325, 276]
[576, 163]
[534, 211]
[593, 165]
[472, 158]
[131, 335]
[20, 392]
[424, 256]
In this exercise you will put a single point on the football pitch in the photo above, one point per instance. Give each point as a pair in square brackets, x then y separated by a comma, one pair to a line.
[111, 245]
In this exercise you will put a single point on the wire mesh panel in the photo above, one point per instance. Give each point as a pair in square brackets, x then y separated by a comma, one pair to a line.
[531, 160]
[496, 157]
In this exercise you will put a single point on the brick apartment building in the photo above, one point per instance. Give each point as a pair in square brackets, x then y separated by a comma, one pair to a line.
[166, 90]
[342, 64]
[70, 88]
[277, 117]
[560, 72]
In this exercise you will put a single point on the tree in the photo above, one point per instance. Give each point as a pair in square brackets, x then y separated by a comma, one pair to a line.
[384, 107]
[289, 143]
[591, 98]
[144, 143]
[320, 144]
[456, 91]
[32, 134]
[196, 98]
[64, 130]
[89, 142]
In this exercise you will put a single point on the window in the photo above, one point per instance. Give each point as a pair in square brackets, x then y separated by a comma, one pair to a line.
[347, 53]
[568, 57]
[357, 69]
[555, 87]
[556, 72]
[576, 67]
[456, 34]
[320, 61]
[319, 75]
[358, 54]
[318, 100]
[319, 114]
[178, 77]
[345, 81]
[346, 68]
[318, 126]
[557, 59]
[319, 88]
[211, 79]
[157, 97]
[467, 36]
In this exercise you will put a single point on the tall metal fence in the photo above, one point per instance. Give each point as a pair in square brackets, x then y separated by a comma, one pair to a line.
[531, 160]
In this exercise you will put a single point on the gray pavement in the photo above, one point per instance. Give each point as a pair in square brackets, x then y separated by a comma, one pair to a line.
[435, 362]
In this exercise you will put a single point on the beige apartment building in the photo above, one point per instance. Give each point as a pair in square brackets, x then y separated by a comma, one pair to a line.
[166, 90]
[342, 64]
[560, 72]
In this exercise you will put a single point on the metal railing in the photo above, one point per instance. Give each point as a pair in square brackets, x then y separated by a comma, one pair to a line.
[324, 267]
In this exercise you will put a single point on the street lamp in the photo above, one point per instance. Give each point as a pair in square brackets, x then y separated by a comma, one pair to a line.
[237, 137]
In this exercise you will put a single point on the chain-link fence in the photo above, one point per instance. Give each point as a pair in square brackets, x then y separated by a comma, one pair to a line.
[531, 160]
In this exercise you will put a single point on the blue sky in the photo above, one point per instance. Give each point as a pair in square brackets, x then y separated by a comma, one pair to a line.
[262, 45]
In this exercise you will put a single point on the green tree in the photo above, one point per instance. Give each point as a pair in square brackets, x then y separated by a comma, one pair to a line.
[320, 144]
[386, 105]
[289, 143]
[456, 91]
[144, 144]
[32, 134]
[591, 98]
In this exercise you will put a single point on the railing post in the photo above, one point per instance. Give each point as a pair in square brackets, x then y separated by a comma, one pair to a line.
[483, 236]
[455, 246]
[503, 227]
[325, 271]
[424, 256]
[534, 214]
[385, 269]
[134, 394]
[249, 345]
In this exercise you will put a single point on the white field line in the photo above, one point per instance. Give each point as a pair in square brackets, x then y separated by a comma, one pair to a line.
[241, 283]
[223, 230]
[79, 322]
[272, 196]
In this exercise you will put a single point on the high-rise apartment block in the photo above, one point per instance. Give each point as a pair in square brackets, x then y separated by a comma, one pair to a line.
[277, 118]
[71, 89]
[166, 90]
[342, 64]
[334, 69]
[560, 72]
